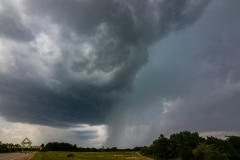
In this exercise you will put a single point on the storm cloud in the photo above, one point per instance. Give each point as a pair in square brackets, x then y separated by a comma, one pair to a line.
[191, 82]
[136, 66]
[83, 54]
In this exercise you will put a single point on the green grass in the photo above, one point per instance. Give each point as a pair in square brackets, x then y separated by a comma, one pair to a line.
[87, 156]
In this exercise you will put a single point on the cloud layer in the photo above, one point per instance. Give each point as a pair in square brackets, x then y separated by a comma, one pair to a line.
[69, 62]
[139, 67]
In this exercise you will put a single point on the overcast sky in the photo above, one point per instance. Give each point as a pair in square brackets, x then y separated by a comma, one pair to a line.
[118, 72]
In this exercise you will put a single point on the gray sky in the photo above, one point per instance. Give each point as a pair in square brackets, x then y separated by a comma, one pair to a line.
[118, 72]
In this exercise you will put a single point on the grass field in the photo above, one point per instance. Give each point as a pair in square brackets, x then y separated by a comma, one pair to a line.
[88, 156]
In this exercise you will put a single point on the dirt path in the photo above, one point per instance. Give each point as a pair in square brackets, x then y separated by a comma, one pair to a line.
[28, 156]
[16, 156]
[147, 158]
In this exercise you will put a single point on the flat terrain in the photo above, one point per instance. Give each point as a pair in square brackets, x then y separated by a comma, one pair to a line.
[16, 156]
[89, 156]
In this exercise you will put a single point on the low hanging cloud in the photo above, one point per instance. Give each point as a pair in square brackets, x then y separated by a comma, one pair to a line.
[69, 62]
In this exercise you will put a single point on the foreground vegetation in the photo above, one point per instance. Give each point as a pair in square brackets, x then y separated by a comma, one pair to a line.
[87, 156]
[190, 146]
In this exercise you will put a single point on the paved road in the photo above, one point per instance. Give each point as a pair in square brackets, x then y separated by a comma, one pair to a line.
[13, 156]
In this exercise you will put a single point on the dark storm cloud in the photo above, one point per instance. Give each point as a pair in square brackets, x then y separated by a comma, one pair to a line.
[191, 81]
[11, 25]
[35, 103]
[84, 56]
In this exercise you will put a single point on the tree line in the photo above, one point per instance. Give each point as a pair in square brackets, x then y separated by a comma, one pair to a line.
[10, 147]
[190, 146]
[56, 146]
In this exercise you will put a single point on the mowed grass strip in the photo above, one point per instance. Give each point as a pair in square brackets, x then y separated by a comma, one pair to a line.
[87, 156]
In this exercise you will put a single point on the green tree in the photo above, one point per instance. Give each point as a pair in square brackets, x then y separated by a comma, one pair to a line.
[233, 148]
[160, 148]
[182, 144]
[208, 152]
